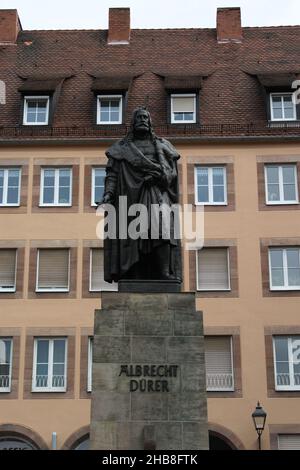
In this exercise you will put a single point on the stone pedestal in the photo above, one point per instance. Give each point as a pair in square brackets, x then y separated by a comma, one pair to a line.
[148, 373]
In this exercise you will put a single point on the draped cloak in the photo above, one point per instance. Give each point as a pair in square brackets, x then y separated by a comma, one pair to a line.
[127, 174]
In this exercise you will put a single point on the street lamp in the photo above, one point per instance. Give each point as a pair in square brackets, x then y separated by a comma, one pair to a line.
[259, 418]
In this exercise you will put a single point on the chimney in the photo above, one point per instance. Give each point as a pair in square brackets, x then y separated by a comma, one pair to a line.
[10, 26]
[119, 26]
[229, 26]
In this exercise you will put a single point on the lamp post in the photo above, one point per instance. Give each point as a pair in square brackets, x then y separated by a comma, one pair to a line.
[259, 418]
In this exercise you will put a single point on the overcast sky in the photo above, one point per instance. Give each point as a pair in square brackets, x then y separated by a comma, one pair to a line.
[93, 14]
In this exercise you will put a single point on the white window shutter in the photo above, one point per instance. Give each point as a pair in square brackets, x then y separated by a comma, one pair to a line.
[213, 269]
[183, 104]
[97, 269]
[289, 441]
[53, 269]
[218, 363]
[7, 269]
[97, 282]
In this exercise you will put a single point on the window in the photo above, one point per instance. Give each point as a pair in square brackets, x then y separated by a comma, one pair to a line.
[36, 110]
[183, 108]
[284, 268]
[49, 365]
[287, 362]
[219, 363]
[211, 185]
[282, 107]
[98, 178]
[56, 187]
[97, 282]
[5, 364]
[213, 269]
[10, 179]
[281, 184]
[289, 442]
[109, 109]
[8, 268]
[53, 270]
[90, 365]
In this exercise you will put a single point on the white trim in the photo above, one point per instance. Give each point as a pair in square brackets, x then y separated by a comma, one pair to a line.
[90, 364]
[286, 286]
[11, 289]
[294, 118]
[8, 389]
[181, 95]
[210, 185]
[93, 184]
[59, 289]
[50, 365]
[5, 186]
[27, 98]
[228, 268]
[281, 200]
[56, 188]
[289, 339]
[120, 98]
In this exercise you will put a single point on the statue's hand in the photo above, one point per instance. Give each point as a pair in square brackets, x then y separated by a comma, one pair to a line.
[107, 199]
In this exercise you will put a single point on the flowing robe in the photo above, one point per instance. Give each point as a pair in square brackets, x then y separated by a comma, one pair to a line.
[127, 174]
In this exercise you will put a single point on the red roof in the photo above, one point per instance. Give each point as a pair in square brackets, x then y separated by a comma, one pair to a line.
[230, 91]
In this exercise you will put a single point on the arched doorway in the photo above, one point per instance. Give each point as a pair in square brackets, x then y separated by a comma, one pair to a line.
[79, 440]
[16, 437]
[15, 443]
[221, 438]
[217, 442]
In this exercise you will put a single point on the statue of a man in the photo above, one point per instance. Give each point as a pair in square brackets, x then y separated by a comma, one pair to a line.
[143, 168]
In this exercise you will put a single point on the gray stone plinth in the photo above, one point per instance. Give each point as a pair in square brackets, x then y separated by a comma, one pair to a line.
[149, 386]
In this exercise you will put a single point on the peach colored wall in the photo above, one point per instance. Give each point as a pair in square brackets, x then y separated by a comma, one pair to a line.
[250, 311]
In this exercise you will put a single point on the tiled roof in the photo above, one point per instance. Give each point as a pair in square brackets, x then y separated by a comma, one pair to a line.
[230, 93]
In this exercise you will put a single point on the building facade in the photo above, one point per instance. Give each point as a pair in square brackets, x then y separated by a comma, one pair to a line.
[224, 97]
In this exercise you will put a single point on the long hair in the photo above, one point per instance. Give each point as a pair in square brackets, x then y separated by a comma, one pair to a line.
[130, 134]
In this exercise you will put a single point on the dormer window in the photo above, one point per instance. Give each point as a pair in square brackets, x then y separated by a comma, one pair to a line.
[36, 110]
[109, 109]
[183, 108]
[282, 107]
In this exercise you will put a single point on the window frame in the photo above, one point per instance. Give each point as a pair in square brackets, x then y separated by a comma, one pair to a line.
[229, 389]
[286, 287]
[281, 201]
[8, 389]
[186, 95]
[5, 187]
[210, 185]
[56, 188]
[284, 119]
[48, 290]
[90, 365]
[93, 203]
[50, 365]
[120, 98]
[35, 97]
[282, 388]
[11, 289]
[228, 268]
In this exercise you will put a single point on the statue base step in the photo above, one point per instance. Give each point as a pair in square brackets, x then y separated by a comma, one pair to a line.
[149, 286]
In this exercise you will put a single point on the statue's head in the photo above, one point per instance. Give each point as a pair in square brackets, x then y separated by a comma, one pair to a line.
[141, 123]
[141, 120]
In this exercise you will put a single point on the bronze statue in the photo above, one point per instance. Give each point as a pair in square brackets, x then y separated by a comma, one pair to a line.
[142, 167]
